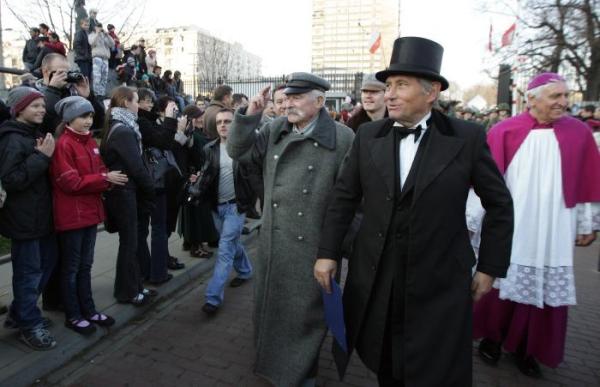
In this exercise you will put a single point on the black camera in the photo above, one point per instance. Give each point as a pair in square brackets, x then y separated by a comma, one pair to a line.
[74, 77]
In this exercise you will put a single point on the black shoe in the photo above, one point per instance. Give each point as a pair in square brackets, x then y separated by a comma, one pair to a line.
[83, 330]
[252, 214]
[489, 351]
[528, 366]
[102, 320]
[166, 279]
[237, 281]
[140, 300]
[149, 292]
[210, 309]
[174, 264]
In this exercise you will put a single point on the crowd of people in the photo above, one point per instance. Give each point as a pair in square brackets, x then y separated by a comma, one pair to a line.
[383, 183]
[103, 59]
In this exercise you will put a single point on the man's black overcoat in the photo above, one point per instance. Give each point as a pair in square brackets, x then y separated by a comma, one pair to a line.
[437, 298]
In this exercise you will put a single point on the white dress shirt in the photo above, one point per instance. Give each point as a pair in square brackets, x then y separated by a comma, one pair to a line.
[408, 149]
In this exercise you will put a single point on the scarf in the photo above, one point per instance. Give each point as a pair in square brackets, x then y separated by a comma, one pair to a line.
[129, 119]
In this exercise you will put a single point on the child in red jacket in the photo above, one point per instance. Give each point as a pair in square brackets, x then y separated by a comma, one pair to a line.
[78, 178]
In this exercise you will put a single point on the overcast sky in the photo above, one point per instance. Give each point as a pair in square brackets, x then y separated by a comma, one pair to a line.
[280, 31]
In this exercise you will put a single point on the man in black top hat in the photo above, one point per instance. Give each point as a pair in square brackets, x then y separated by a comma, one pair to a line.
[409, 290]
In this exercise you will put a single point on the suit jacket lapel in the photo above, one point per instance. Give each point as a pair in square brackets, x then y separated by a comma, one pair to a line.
[381, 148]
[438, 153]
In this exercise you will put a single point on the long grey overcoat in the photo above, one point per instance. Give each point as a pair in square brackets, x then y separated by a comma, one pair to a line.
[299, 172]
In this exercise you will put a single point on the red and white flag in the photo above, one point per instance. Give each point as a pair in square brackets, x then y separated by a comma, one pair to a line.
[508, 35]
[374, 42]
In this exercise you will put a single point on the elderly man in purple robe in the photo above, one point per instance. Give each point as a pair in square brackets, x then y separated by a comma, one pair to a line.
[551, 166]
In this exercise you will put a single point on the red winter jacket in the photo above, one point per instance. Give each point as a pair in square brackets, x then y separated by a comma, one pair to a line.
[78, 178]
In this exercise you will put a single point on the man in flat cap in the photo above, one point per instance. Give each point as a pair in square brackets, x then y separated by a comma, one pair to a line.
[409, 290]
[300, 154]
[373, 106]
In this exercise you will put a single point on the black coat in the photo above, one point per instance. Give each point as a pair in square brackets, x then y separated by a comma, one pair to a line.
[81, 46]
[210, 178]
[30, 51]
[154, 134]
[359, 118]
[121, 152]
[27, 213]
[437, 314]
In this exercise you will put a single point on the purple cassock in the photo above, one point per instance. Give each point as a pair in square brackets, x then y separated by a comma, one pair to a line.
[539, 329]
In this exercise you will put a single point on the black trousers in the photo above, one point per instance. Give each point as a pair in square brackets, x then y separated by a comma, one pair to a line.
[121, 204]
[385, 375]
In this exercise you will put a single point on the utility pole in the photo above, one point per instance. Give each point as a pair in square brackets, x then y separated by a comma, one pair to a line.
[2, 79]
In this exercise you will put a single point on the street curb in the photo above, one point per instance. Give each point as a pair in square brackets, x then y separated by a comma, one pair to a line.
[39, 364]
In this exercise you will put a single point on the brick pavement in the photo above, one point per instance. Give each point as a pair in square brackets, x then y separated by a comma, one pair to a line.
[177, 345]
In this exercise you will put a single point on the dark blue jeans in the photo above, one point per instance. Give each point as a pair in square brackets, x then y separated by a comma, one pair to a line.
[77, 248]
[32, 263]
[154, 261]
[86, 68]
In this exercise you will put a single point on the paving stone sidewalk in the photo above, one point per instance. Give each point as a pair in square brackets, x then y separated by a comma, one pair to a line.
[179, 345]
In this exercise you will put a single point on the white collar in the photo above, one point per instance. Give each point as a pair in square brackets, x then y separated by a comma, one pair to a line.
[423, 122]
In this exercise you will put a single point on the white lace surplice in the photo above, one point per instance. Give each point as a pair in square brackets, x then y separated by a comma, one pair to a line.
[541, 269]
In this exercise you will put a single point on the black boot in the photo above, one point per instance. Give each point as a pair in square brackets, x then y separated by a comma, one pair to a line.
[527, 364]
[489, 351]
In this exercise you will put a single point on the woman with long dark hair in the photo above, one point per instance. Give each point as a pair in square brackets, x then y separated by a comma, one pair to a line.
[121, 150]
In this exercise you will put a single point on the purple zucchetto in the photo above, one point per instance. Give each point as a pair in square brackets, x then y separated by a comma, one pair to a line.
[544, 79]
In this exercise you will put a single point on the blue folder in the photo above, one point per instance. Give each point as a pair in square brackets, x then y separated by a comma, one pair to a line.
[334, 314]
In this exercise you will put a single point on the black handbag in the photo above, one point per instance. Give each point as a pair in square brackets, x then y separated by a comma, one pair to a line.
[159, 163]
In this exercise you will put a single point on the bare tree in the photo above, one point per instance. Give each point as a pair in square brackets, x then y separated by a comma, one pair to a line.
[60, 15]
[557, 35]
[214, 58]
[487, 91]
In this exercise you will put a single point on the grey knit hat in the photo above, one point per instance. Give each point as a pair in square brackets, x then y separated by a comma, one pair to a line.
[20, 97]
[72, 107]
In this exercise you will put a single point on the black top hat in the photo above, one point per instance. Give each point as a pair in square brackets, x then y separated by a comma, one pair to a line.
[415, 56]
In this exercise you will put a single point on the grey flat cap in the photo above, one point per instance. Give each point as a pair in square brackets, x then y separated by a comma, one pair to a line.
[299, 83]
[372, 84]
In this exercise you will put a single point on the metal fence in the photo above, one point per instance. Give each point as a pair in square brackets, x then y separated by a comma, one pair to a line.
[342, 84]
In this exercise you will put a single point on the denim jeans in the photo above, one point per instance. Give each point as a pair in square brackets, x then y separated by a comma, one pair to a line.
[229, 223]
[77, 247]
[32, 263]
[121, 204]
[154, 262]
[85, 67]
[100, 75]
